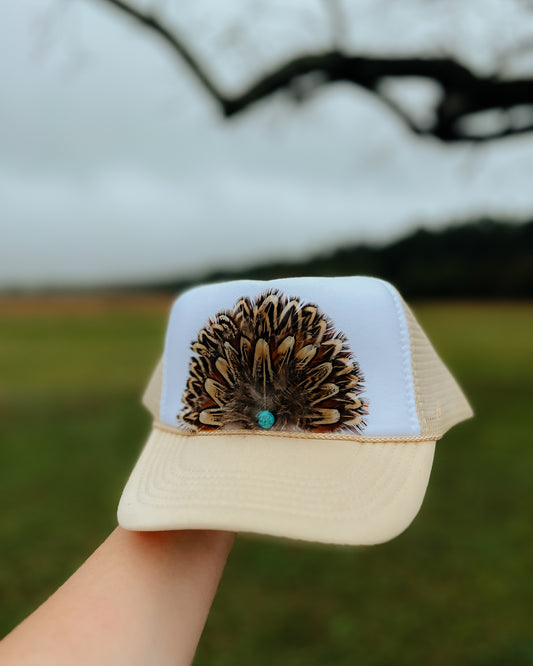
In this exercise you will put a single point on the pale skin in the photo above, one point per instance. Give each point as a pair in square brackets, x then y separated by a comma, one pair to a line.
[140, 598]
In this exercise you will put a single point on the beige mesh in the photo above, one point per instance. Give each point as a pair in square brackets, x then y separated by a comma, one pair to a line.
[152, 395]
[440, 403]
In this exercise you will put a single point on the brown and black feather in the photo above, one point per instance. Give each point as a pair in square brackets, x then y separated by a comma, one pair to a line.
[277, 354]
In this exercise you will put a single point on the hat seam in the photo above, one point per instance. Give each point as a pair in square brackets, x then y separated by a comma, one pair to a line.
[405, 343]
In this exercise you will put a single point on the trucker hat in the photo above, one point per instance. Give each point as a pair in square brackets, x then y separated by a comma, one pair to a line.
[306, 408]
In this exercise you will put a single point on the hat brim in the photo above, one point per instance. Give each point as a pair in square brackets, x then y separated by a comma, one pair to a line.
[327, 490]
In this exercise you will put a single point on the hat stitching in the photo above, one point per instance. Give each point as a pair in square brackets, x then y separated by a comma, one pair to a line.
[145, 496]
[406, 357]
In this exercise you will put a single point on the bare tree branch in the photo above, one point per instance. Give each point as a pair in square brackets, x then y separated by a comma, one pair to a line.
[176, 43]
[337, 23]
[463, 91]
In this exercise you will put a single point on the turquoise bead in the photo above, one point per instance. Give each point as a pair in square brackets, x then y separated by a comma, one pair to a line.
[265, 419]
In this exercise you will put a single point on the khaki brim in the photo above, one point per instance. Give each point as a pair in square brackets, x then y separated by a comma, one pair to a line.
[327, 490]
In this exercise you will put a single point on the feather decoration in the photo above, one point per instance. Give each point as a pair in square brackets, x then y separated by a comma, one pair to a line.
[273, 362]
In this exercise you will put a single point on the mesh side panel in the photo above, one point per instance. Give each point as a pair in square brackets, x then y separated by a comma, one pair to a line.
[440, 403]
[152, 395]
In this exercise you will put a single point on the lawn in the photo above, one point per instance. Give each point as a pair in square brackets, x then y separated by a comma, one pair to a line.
[455, 588]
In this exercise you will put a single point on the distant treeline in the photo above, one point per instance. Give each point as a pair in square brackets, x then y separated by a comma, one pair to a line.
[482, 259]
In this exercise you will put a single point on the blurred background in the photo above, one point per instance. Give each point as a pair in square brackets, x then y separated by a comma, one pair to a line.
[147, 146]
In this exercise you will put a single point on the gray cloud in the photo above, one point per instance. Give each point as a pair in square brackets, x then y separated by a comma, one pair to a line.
[114, 166]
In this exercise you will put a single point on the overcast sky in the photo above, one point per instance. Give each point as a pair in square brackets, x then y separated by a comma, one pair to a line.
[116, 167]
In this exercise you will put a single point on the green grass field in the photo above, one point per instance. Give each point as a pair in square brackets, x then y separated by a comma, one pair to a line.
[455, 588]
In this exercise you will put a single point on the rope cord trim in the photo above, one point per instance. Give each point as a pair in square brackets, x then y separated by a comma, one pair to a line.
[428, 437]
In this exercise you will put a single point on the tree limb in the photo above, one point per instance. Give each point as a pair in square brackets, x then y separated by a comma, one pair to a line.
[176, 43]
[463, 91]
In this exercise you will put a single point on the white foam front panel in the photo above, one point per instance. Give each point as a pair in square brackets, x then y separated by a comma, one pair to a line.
[367, 310]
